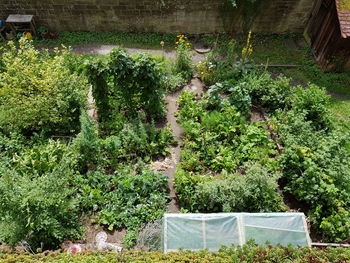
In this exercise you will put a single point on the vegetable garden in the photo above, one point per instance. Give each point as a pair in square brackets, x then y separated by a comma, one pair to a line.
[252, 142]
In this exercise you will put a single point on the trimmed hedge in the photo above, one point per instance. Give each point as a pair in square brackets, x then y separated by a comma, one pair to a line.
[246, 254]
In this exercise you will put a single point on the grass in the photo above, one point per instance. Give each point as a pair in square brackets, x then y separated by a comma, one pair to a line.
[274, 50]
[341, 111]
[135, 40]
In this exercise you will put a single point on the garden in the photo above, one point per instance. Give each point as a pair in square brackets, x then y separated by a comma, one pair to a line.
[252, 141]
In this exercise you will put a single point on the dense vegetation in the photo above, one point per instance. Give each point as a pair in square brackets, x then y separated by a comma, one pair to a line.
[50, 175]
[253, 142]
[230, 164]
[246, 254]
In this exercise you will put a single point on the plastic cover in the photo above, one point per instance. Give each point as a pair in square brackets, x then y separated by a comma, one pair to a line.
[211, 231]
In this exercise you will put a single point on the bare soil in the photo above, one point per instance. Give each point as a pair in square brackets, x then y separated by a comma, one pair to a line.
[168, 165]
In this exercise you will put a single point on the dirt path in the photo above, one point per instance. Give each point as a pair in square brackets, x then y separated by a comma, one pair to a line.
[106, 49]
[168, 166]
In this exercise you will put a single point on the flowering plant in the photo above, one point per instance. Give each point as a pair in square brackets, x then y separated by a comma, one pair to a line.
[183, 63]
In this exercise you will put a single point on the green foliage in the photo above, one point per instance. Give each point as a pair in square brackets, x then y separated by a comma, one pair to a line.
[127, 84]
[173, 82]
[38, 92]
[183, 63]
[228, 93]
[316, 165]
[246, 254]
[137, 140]
[87, 144]
[36, 204]
[220, 139]
[130, 239]
[314, 102]
[270, 93]
[224, 63]
[219, 142]
[254, 191]
[128, 198]
[97, 71]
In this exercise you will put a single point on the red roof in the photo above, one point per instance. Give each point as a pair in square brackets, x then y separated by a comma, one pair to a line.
[343, 9]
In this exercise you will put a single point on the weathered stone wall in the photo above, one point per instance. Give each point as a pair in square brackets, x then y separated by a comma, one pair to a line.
[190, 16]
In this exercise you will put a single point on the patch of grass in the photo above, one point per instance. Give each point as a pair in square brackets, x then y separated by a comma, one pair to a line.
[136, 40]
[273, 49]
[341, 110]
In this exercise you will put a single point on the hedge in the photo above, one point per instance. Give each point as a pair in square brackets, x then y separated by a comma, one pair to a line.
[246, 254]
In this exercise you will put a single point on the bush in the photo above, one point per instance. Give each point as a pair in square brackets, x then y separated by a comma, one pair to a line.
[254, 191]
[129, 198]
[314, 101]
[246, 254]
[316, 164]
[87, 144]
[38, 92]
[272, 94]
[35, 201]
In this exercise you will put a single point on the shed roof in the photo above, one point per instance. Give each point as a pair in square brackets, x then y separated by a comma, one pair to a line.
[343, 9]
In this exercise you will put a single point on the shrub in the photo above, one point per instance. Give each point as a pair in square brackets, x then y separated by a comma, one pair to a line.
[36, 204]
[314, 101]
[129, 198]
[87, 144]
[127, 84]
[98, 73]
[247, 254]
[316, 164]
[138, 81]
[38, 92]
[254, 191]
[270, 93]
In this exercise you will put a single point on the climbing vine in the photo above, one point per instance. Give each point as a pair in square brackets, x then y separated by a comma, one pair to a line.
[136, 81]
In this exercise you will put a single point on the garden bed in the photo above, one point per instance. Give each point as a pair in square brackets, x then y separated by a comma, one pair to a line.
[246, 143]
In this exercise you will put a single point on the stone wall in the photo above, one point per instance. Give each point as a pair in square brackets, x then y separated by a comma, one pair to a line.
[187, 16]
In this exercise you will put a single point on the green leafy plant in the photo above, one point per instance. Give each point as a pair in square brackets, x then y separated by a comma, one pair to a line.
[129, 198]
[36, 204]
[315, 164]
[183, 63]
[38, 92]
[255, 191]
[219, 139]
[247, 253]
[124, 83]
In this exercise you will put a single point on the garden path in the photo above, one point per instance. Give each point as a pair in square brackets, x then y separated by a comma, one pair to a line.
[106, 49]
[168, 166]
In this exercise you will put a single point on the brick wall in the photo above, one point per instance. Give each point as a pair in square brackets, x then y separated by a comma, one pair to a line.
[190, 16]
